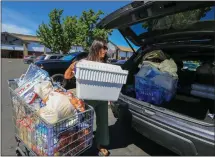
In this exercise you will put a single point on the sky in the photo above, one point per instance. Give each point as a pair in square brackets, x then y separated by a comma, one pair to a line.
[24, 17]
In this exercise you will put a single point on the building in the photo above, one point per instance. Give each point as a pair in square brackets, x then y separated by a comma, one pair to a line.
[18, 45]
[119, 52]
[125, 52]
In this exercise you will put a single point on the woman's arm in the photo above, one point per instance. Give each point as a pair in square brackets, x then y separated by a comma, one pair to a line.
[69, 73]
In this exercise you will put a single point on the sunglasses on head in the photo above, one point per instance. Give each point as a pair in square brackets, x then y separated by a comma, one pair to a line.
[105, 47]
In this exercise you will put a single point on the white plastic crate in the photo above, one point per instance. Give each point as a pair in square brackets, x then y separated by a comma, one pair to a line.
[99, 81]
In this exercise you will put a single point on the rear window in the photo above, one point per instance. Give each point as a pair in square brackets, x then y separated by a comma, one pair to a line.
[53, 57]
[69, 57]
[58, 57]
[178, 21]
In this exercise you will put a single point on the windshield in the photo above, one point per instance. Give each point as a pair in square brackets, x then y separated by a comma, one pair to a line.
[68, 57]
[178, 21]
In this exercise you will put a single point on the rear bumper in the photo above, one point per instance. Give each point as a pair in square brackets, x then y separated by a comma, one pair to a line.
[174, 139]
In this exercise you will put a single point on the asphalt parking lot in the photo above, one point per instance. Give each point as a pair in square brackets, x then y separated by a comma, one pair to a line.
[122, 141]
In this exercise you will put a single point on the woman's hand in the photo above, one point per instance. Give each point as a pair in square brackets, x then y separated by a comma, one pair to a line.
[69, 73]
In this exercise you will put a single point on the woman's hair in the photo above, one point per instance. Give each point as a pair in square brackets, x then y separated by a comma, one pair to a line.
[96, 46]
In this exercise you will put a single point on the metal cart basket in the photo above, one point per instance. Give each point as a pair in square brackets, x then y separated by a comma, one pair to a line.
[68, 137]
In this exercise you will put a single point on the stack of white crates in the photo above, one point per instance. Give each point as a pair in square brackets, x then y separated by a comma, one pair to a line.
[99, 81]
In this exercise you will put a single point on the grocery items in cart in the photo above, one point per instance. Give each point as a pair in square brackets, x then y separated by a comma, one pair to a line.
[58, 106]
[48, 119]
[33, 72]
[43, 89]
[33, 76]
[94, 80]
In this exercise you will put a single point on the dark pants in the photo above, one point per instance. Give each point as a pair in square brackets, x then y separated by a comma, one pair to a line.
[102, 130]
[101, 110]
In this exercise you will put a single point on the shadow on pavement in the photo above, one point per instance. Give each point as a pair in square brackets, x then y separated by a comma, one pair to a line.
[121, 137]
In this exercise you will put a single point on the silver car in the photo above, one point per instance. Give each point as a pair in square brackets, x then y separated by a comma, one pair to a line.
[48, 56]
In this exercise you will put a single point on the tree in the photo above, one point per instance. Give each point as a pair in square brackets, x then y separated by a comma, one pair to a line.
[87, 31]
[58, 34]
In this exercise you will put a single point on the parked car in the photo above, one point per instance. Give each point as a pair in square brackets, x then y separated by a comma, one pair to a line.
[57, 67]
[48, 56]
[110, 60]
[29, 59]
[184, 31]
[119, 62]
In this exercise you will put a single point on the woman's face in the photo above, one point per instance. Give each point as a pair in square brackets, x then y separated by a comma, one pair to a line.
[103, 51]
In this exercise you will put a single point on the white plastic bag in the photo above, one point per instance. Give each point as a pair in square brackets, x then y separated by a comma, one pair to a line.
[50, 116]
[57, 107]
[167, 65]
[43, 89]
[60, 103]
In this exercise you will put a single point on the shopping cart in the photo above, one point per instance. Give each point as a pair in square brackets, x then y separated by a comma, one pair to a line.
[35, 136]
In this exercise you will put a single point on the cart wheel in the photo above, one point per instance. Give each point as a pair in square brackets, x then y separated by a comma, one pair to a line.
[17, 140]
[27, 152]
[18, 153]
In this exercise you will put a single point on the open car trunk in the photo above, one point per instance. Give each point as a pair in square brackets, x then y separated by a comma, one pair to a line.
[183, 102]
[184, 31]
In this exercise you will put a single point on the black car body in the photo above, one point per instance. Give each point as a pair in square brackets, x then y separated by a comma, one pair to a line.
[57, 67]
[48, 56]
[175, 28]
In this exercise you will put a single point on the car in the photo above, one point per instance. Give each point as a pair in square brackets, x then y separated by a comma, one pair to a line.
[184, 31]
[119, 62]
[29, 59]
[48, 56]
[57, 67]
[111, 60]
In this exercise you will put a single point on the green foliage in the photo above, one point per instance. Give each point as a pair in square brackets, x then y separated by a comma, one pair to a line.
[86, 29]
[60, 35]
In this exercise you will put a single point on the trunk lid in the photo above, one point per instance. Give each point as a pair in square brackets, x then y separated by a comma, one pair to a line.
[158, 22]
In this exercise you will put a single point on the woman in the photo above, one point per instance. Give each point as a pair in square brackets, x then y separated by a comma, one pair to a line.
[97, 53]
